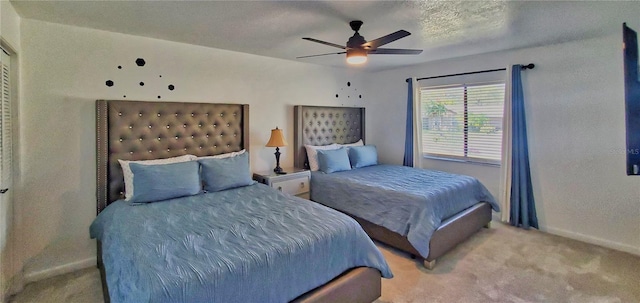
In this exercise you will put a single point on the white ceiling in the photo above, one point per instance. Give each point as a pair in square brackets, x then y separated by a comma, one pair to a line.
[443, 29]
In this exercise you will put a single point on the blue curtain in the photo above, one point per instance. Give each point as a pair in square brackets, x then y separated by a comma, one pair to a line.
[523, 209]
[408, 137]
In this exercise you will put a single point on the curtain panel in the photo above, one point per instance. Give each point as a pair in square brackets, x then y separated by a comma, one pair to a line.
[408, 137]
[519, 193]
[413, 132]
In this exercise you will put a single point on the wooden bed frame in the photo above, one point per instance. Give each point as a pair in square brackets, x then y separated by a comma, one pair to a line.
[321, 125]
[139, 130]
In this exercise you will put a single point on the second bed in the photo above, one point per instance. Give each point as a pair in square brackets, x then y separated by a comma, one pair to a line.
[423, 212]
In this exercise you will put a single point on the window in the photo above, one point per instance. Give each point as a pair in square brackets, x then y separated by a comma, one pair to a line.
[463, 121]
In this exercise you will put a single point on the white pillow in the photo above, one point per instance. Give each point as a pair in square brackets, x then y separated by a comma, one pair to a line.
[312, 154]
[358, 143]
[128, 175]
[222, 156]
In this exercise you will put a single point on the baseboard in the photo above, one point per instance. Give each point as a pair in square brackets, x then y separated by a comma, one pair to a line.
[16, 284]
[59, 270]
[592, 240]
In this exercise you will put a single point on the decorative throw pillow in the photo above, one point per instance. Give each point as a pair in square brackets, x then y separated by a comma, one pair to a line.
[226, 173]
[164, 181]
[333, 160]
[361, 156]
[128, 175]
[312, 154]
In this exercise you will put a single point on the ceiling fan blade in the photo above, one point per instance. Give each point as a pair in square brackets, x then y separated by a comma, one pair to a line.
[321, 55]
[395, 51]
[373, 44]
[325, 43]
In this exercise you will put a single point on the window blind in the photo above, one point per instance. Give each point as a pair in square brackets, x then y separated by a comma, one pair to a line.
[5, 122]
[463, 121]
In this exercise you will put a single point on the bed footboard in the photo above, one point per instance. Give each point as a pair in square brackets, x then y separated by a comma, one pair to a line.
[452, 232]
[358, 285]
[458, 228]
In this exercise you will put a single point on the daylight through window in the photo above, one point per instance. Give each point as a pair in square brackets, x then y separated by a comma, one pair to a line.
[463, 122]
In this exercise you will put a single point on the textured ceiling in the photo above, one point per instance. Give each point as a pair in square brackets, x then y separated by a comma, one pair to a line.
[443, 29]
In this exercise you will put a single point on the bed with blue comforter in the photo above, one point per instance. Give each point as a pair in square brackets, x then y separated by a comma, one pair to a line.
[408, 201]
[248, 244]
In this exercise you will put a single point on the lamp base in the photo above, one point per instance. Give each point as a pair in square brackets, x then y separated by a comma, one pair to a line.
[278, 170]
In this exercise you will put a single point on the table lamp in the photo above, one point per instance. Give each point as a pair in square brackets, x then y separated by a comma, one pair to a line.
[277, 140]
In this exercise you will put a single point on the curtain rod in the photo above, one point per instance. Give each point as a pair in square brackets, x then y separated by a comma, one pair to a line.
[528, 66]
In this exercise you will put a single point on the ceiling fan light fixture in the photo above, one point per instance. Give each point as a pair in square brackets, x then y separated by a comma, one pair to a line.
[357, 48]
[356, 56]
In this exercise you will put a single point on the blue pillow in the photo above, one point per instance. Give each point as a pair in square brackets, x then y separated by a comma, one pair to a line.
[334, 160]
[164, 181]
[361, 156]
[226, 173]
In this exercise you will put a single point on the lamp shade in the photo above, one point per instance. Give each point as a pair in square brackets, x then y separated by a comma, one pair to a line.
[277, 138]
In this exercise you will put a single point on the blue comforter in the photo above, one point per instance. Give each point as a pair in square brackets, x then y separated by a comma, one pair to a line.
[411, 202]
[250, 244]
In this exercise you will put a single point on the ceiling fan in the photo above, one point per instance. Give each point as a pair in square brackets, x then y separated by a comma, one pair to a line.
[358, 48]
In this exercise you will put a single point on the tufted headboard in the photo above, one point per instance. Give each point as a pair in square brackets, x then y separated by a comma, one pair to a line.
[323, 125]
[139, 130]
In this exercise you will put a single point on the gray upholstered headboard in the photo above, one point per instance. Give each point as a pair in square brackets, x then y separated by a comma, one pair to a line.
[323, 125]
[139, 130]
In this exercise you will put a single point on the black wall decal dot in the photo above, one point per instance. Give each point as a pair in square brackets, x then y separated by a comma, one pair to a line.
[360, 96]
[348, 83]
[171, 87]
[119, 66]
[159, 97]
[109, 83]
[140, 62]
[141, 83]
[160, 76]
[336, 95]
[124, 96]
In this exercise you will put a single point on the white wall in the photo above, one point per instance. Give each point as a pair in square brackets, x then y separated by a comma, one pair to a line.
[575, 111]
[10, 35]
[9, 24]
[64, 71]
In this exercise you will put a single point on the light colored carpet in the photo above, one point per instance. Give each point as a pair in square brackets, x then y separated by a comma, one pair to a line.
[501, 264]
[506, 264]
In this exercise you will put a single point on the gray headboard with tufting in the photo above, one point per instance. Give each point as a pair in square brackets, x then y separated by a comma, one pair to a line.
[139, 130]
[323, 125]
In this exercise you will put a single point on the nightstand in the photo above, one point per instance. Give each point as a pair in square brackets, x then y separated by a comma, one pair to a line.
[295, 182]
